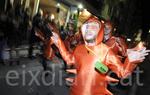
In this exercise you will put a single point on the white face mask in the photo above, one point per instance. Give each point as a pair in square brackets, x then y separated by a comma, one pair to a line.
[90, 30]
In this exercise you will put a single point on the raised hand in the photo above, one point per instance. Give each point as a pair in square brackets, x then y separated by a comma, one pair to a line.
[55, 38]
[137, 55]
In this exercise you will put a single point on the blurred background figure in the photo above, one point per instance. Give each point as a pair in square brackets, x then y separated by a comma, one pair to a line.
[33, 38]
[117, 43]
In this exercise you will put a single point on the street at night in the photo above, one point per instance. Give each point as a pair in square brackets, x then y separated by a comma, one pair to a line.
[74, 47]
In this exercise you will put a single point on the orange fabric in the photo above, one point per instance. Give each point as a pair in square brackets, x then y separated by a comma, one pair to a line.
[70, 79]
[72, 71]
[88, 81]
[48, 51]
[118, 45]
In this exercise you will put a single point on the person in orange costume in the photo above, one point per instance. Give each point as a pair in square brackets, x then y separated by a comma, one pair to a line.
[119, 47]
[90, 80]
[77, 38]
[48, 52]
[117, 44]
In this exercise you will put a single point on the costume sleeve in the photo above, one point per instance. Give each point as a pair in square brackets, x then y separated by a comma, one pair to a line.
[122, 46]
[67, 56]
[121, 69]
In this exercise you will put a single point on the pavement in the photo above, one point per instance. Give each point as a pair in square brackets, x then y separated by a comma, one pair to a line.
[28, 78]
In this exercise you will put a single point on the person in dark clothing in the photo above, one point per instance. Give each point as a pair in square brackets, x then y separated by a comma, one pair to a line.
[13, 34]
[41, 32]
[33, 38]
[27, 23]
[2, 39]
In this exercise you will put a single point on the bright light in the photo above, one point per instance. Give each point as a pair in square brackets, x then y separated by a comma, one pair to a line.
[102, 21]
[86, 13]
[115, 29]
[80, 6]
[80, 13]
[75, 11]
[58, 5]
[52, 16]
[84, 9]
[12, 2]
[128, 39]
[149, 31]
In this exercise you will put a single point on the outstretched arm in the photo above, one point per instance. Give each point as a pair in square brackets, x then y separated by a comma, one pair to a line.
[67, 56]
[123, 70]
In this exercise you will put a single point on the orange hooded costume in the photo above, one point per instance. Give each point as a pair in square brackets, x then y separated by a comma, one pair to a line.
[88, 80]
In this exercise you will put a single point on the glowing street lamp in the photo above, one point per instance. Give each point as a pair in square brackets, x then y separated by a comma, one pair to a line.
[80, 6]
[58, 5]
[128, 39]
